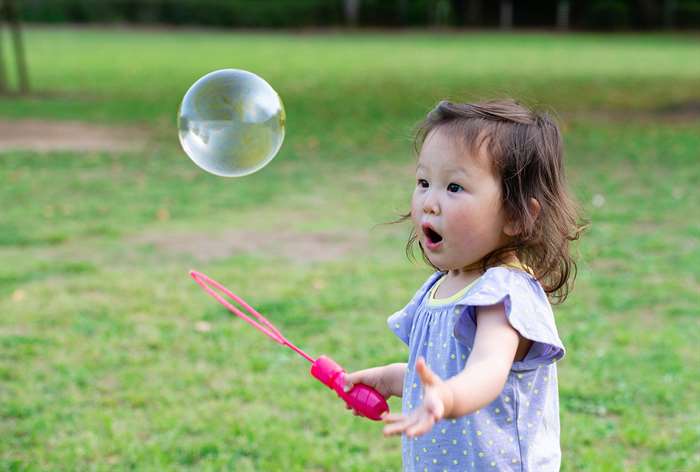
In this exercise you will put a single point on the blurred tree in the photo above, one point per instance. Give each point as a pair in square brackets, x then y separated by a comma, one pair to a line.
[474, 12]
[8, 10]
[459, 12]
[403, 12]
[648, 12]
[351, 8]
[563, 13]
[441, 12]
[506, 15]
[669, 13]
[609, 14]
[3, 77]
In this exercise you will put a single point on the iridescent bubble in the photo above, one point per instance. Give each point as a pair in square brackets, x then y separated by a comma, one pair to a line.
[231, 122]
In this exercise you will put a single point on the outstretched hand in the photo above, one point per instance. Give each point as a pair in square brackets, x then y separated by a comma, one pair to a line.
[437, 400]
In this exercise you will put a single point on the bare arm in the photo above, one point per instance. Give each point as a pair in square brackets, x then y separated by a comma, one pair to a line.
[479, 383]
[396, 373]
[489, 363]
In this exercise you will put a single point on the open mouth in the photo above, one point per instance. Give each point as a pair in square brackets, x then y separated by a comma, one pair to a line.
[433, 236]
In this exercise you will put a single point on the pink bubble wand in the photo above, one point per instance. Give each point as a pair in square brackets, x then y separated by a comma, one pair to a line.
[362, 398]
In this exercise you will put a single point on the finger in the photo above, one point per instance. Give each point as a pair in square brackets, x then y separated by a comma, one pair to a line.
[349, 381]
[390, 418]
[400, 426]
[436, 409]
[422, 426]
[427, 376]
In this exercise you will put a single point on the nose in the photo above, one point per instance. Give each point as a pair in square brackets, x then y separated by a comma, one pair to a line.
[431, 204]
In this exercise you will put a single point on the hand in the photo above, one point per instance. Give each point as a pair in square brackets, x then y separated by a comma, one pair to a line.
[437, 401]
[377, 377]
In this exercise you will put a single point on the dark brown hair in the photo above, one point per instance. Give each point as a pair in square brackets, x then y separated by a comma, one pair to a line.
[526, 151]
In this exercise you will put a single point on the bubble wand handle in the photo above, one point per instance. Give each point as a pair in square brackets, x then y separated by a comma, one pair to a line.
[362, 398]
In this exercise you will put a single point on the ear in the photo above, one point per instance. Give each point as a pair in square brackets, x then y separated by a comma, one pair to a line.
[535, 208]
[512, 228]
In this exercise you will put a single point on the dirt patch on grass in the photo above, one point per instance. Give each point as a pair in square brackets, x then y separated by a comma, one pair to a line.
[689, 109]
[298, 247]
[45, 136]
[681, 112]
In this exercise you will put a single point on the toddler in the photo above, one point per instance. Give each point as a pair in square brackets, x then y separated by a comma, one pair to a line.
[492, 216]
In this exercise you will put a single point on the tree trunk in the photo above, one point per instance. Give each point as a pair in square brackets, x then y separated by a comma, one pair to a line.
[474, 12]
[459, 9]
[441, 13]
[506, 14]
[352, 11]
[563, 12]
[403, 12]
[20, 59]
[3, 77]
[648, 13]
[669, 13]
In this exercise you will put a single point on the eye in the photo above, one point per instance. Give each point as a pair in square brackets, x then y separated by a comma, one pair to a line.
[423, 183]
[454, 188]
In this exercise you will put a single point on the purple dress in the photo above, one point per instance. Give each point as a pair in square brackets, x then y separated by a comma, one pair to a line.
[519, 430]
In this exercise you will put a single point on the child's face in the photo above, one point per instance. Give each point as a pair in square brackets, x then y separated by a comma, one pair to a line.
[456, 207]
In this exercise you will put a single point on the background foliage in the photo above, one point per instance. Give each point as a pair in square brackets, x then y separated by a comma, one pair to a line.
[593, 14]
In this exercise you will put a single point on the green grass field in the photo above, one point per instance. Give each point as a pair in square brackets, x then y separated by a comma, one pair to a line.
[112, 358]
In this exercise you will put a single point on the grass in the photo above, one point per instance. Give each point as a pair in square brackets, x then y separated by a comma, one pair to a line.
[102, 363]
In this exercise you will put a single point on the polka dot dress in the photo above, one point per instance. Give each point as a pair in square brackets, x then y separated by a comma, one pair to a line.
[520, 429]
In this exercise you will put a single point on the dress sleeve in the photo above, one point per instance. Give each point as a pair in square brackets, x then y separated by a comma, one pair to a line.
[527, 309]
[401, 322]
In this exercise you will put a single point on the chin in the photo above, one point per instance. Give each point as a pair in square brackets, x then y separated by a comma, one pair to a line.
[431, 261]
[437, 265]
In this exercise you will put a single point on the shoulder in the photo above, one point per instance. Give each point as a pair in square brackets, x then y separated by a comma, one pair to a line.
[500, 284]
[526, 307]
[510, 277]
[401, 322]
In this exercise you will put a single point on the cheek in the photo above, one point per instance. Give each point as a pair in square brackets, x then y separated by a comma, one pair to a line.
[462, 221]
[415, 205]
[469, 220]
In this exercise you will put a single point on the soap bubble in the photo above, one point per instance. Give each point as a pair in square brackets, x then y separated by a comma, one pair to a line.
[231, 122]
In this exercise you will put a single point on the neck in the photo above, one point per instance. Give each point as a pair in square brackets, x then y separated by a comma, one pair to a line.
[463, 276]
[474, 270]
